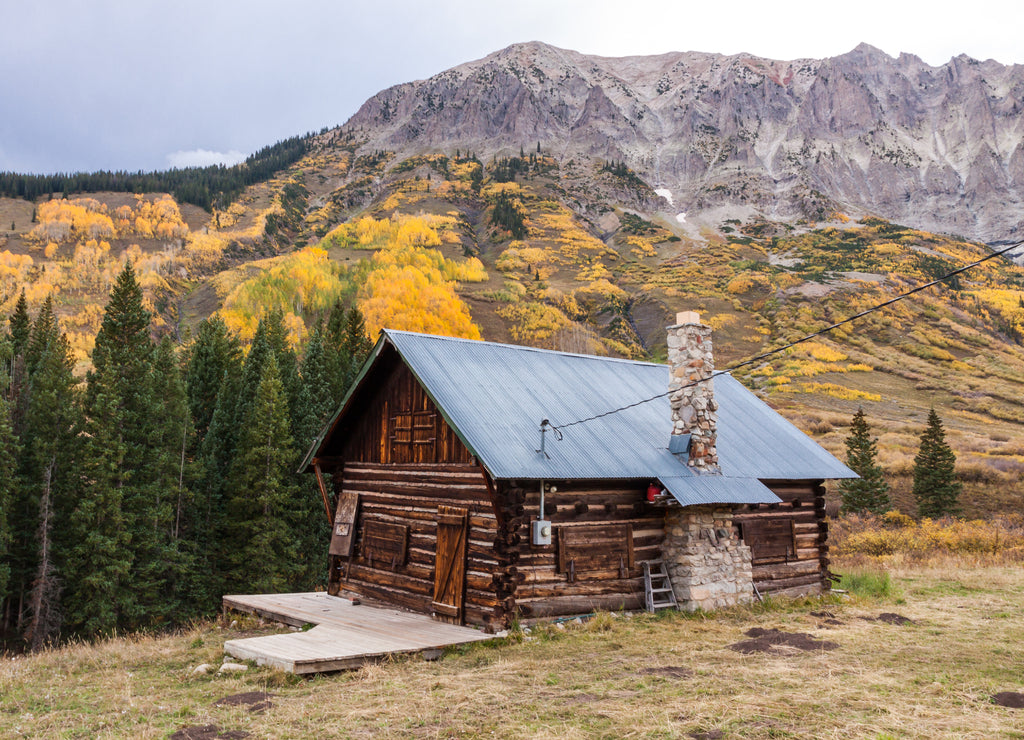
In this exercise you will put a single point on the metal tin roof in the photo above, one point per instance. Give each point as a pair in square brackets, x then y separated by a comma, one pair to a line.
[717, 489]
[496, 395]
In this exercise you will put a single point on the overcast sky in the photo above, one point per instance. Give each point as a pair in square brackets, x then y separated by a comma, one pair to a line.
[134, 84]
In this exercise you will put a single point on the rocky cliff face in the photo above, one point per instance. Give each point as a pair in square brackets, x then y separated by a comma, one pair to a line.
[938, 148]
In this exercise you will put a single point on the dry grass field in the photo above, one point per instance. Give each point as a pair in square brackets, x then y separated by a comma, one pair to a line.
[917, 649]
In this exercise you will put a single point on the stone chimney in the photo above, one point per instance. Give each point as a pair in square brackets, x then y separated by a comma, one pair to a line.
[694, 409]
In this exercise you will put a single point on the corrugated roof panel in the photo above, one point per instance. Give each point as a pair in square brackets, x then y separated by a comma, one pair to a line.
[717, 489]
[496, 395]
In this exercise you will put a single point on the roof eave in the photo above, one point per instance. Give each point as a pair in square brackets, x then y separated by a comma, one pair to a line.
[314, 448]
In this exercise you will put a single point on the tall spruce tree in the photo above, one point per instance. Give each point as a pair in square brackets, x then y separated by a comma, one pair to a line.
[211, 535]
[315, 406]
[123, 405]
[46, 414]
[8, 458]
[214, 351]
[316, 401]
[935, 485]
[262, 511]
[48, 478]
[100, 598]
[346, 346]
[163, 567]
[356, 344]
[869, 493]
[20, 325]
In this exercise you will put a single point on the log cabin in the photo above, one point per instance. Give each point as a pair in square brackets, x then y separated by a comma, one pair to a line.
[482, 483]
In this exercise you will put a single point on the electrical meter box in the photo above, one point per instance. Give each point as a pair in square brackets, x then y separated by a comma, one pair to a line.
[541, 532]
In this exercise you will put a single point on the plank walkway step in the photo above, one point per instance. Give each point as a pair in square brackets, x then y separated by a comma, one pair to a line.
[658, 591]
[345, 635]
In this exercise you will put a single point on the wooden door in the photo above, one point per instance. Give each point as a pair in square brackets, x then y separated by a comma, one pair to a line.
[450, 564]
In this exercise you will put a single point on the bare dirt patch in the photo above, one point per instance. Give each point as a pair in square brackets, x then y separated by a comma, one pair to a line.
[583, 699]
[769, 640]
[828, 619]
[890, 618]
[257, 701]
[1012, 699]
[669, 671]
[208, 732]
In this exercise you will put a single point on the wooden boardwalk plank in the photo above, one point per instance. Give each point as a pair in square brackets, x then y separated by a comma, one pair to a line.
[345, 636]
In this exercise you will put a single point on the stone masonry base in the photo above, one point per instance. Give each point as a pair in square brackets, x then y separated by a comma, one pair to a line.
[709, 565]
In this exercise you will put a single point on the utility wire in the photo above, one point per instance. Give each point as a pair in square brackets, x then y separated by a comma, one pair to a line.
[769, 353]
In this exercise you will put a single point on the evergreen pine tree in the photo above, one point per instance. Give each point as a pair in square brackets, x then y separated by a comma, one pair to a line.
[355, 348]
[260, 349]
[20, 325]
[316, 402]
[262, 511]
[99, 560]
[129, 420]
[870, 492]
[315, 406]
[43, 330]
[48, 478]
[8, 456]
[212, 352]
[211, 536]
[935, 485]
[161, 560]
[45, 412]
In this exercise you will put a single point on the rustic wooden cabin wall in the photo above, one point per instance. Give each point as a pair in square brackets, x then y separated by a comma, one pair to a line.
[395, 556]
[788, 541]
[404, 481]
[400, 424]
[602, 533]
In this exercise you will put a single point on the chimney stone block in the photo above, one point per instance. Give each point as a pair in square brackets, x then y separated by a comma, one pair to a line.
[690, 380]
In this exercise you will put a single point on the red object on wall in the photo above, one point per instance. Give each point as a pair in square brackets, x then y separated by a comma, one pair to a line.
[652, 491]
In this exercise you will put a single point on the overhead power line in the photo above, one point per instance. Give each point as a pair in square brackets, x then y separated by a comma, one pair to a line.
[777, 350]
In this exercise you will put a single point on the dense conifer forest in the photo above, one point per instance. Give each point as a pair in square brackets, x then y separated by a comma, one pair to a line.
[136, 498]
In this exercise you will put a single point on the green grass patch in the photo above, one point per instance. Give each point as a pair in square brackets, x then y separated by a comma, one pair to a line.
[868, 583]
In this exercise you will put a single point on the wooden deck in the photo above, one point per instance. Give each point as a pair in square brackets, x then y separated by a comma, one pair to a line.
[345, 636]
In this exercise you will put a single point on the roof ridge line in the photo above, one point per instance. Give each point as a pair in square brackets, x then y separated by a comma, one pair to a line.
[523, 347]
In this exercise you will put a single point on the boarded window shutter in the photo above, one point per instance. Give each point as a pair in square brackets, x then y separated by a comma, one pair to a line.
[385, 544]
[413, 435]
[595, 547]
[769, 538]
[343, 533]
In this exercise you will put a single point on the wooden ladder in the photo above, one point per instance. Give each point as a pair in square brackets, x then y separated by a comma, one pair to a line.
[658, 593]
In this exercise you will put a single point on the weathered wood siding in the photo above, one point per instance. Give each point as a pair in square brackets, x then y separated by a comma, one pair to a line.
[600, 580]
[408, 495]
[802, 566]
[398, 423]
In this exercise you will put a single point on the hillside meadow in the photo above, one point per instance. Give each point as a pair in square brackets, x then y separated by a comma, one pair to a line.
[576, 256]
[917, 648]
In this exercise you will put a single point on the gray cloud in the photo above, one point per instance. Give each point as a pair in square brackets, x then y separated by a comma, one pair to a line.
[204, 158]
[110, 84]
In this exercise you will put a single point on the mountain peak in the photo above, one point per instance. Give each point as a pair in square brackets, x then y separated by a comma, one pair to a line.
[892, 137]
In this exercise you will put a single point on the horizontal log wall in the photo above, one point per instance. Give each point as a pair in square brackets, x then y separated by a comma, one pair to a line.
[543, 591]
[806, 570]
[409, 494]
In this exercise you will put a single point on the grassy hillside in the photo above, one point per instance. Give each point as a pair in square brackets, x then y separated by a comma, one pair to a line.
[579, 256]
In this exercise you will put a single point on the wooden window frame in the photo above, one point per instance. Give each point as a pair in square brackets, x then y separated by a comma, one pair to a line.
[410, 429]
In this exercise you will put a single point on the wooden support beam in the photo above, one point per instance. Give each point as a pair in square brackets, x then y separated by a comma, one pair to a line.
[323, 490]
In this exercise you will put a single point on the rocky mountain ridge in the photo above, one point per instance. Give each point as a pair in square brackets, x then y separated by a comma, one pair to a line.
[939, 148]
